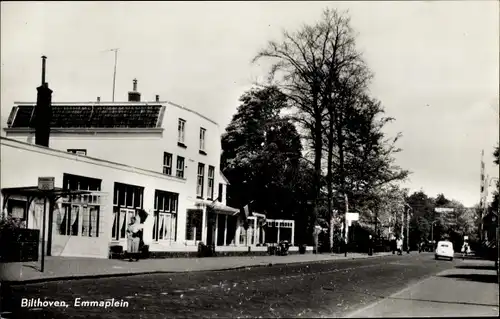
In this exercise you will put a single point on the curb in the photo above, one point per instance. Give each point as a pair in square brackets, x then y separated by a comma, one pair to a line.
[153, 272]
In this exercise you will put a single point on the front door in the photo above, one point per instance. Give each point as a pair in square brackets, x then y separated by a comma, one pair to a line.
[211, 228]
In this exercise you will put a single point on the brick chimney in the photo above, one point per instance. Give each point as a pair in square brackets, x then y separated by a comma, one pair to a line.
[98, 99]
[134, 96]
[157, 98]
[43, 111]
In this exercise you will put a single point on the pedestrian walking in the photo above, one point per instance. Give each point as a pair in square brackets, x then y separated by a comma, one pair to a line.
[133, 239]
[465, 249]
[399, 244]
[421, 246]
[370, 245]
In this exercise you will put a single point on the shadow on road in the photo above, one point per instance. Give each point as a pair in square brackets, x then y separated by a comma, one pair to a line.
[381, 297]
[491, 279]
[470, 257]
[37, 268]
[492, 267]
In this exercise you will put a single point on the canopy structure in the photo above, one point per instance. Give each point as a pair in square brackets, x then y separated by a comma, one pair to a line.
[32, 192]
[219, 207]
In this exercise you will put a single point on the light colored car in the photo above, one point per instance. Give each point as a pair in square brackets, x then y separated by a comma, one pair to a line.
[444, 249]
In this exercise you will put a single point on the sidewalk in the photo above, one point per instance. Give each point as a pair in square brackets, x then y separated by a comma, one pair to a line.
[468, 290]
[58, 268]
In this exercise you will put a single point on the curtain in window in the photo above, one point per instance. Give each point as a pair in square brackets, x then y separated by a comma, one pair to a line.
[60, 213]
[94, 227]
[37, 214]
[172, 226]
[168, 226]
[123, 225]
[162, 226]
[155, 226]
[114, 231]
[85, 221]
[74, 220]
[64, 220]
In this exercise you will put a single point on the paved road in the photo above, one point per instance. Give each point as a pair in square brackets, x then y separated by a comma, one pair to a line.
[330, 289]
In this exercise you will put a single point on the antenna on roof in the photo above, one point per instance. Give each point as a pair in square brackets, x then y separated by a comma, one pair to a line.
[114, 72]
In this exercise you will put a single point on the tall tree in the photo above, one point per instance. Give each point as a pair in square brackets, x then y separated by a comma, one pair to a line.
[324, 76]
[262, 157]
[307, 65]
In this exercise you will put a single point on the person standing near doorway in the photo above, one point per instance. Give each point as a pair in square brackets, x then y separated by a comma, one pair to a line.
[133, 238]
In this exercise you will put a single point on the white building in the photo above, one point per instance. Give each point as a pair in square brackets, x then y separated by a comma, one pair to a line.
[158, 156]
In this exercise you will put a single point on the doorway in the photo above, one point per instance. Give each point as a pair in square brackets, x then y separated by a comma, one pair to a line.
[211, 220]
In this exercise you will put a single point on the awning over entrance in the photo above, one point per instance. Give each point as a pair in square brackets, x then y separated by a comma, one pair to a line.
[34, 192]
[219, 207]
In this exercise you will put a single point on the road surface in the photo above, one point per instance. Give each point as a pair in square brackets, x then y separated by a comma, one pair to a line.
[325, 289]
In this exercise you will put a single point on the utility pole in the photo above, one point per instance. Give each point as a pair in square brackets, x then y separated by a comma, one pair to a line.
[402, 223]
[114, 72]
[346, 228]
[408, 229]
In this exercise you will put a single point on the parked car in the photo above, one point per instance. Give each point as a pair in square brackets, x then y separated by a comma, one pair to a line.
[445, 249]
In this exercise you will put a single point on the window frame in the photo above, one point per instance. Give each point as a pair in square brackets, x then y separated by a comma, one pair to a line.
[203, 134]
[181, 131]
[200, 180]
[211, 178]
[137, 200]
[181, 170]
[167, 169]
[161, 213]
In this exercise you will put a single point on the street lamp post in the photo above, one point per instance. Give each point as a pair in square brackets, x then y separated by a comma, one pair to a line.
[408, 227]
[432, 230]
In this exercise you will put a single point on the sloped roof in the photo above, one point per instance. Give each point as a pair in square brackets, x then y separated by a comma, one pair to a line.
[224, 179]
[90, 116]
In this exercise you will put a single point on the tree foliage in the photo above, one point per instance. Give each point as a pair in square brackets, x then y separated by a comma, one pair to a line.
[262, 157]
[427, 224]
[325, 79]
[494, 203]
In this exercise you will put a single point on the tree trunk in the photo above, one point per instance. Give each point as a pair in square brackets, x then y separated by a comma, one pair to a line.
[341, 173]
[318, 152]
[329, 176]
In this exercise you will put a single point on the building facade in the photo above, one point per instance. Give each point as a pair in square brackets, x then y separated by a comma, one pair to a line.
[156, 156]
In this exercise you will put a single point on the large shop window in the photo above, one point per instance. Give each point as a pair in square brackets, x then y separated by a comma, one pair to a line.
[79, 215]
[165, 225]
[126, 200]
[194, 222]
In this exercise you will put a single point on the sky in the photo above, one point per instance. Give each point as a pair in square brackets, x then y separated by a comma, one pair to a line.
[436, 66]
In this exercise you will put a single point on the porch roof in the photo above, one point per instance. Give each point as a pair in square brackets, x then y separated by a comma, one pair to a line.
[219, 207]
[34, 191]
